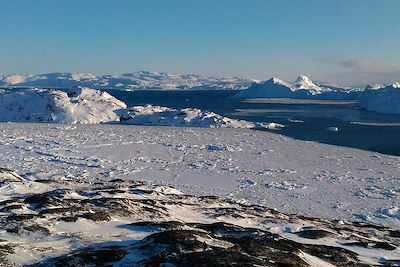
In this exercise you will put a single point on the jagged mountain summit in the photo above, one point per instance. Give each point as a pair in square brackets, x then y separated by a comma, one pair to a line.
[304, 82]
[127, 81]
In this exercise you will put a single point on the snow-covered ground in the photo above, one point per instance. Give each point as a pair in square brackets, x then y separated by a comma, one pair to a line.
[100, 193]
[259, 167]
[128, 81]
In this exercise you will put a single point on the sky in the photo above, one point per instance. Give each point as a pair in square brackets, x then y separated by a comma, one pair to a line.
[344, 42]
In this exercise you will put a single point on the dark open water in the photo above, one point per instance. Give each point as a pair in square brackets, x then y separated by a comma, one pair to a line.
[357, 128]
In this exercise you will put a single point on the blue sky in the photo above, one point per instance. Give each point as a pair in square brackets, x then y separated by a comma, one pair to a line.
[337, 41]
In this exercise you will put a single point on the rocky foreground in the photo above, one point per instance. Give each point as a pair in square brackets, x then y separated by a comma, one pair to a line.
[131, 223]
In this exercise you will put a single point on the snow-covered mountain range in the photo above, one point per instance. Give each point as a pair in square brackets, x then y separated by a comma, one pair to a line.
[127, 81]
[379, 98]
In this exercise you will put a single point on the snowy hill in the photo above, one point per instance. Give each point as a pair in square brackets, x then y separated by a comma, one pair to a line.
[128, 81]
[382, 100]
[303, 87]
[82, 105]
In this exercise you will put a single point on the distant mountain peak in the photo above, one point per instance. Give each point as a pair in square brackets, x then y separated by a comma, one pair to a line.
[304, 82]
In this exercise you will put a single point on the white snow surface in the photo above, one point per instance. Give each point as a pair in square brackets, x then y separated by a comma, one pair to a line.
[81, 105]
[127, 81]
[259, 167]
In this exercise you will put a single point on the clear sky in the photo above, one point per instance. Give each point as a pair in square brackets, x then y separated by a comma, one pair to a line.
[337, 41]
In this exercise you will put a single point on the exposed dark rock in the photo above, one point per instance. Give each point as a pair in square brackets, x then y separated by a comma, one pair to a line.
[12, 207]
[212, 258]
[314, 233]
[163, 225]
[21, 217]
[372, 244]
[97, 216]
[66, 210]
[394, 233]
[95, 257]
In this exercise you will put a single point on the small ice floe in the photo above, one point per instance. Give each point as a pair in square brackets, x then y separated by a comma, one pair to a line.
[333, 129]
[269, 125]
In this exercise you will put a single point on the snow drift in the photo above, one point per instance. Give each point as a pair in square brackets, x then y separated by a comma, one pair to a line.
[81, 105]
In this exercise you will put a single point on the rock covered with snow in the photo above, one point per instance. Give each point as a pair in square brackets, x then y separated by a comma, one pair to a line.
[127, 81]
[81, 105]
[382, 100]
[137, 223]
[187, 117]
